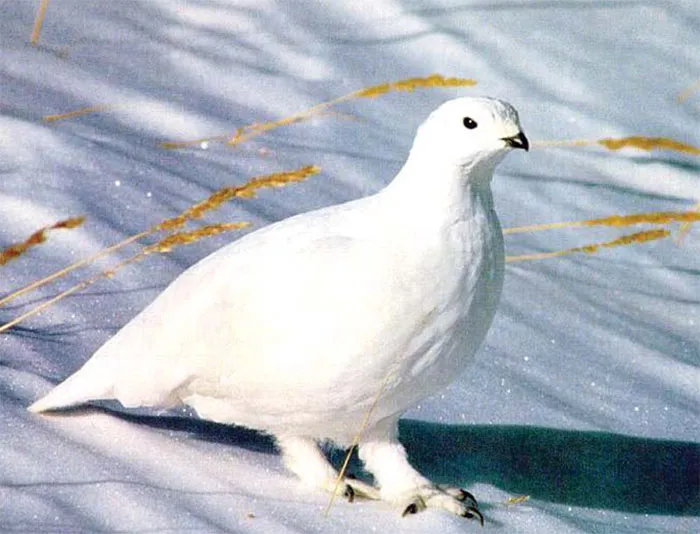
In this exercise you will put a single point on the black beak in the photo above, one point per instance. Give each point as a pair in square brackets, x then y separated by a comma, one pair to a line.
[517, 141]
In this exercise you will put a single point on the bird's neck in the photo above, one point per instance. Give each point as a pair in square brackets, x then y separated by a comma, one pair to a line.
[434, 195]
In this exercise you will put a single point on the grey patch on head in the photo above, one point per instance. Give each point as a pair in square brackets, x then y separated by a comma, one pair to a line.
[502, 108]
[510, 112]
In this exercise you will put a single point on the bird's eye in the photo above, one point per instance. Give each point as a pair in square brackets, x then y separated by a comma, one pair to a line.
[469, 123]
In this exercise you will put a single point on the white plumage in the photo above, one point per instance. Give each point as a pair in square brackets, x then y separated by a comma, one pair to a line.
[294, 329]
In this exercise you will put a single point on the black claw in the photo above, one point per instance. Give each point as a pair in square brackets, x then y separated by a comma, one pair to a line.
[473, 513]
[465, 496]
[349, 493]
[410, 509]
[350, 476]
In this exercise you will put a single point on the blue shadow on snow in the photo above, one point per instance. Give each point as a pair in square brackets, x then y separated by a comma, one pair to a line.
[573, 467]
[578, 468]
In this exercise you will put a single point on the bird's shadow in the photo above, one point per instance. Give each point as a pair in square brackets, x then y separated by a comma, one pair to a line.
[573, 467]
[578, 468]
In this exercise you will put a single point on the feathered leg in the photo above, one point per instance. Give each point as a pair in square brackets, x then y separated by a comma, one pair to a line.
[304, 458]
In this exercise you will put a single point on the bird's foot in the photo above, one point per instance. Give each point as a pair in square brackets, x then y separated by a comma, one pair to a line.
[455, 500]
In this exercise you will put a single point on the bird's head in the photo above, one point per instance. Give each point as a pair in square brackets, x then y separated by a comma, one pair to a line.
[469, 133]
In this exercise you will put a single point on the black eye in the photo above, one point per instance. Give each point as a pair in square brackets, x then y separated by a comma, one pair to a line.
[469, 123]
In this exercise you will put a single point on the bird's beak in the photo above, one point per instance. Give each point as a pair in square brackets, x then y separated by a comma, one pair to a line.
[517, 141]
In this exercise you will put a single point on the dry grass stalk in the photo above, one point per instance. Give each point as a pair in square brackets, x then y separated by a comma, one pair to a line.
[185, 238]
[38, 21]
[655, 217]
[173, 145]
[649, 144]
[165, 245]
[15, 251]
[635, 141]
[247, 190]
[249, 131]
[639, 237]
[49, 302]
[77, 287]
[76, 113]
[62, 272]
[74, 289]
[355, 443]
[517, 500]
[407, 85]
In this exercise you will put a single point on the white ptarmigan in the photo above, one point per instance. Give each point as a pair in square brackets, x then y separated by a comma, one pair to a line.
[296, 328]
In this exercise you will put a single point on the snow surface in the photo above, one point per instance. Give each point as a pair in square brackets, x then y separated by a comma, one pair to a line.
[586, 394]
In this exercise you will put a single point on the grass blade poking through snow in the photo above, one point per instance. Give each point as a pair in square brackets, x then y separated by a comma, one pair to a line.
[649, 144]
[185, 238]
[639, 237]
[76, 113]
[514, 501]
[654, 217]
[164, 245]
[249, 131]
[407, 85]
[247, 190]
[38, 21]
[37, 238]
[214, 201]
[636, 141]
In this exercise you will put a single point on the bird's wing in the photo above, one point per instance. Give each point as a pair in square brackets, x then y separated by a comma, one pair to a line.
[267, 311]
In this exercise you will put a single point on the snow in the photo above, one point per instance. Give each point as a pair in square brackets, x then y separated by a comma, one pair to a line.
[585, 395]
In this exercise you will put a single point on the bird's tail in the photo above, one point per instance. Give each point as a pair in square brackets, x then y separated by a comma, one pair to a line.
[83, 386]
[107, 376]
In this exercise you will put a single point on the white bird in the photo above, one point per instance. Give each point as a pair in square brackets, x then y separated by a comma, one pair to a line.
[299, 328]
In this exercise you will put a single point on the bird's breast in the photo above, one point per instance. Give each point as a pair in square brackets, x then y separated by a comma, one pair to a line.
[459, 277]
